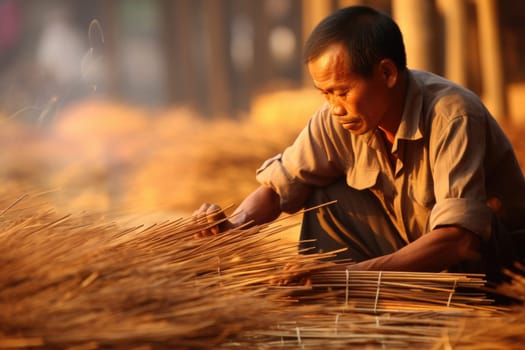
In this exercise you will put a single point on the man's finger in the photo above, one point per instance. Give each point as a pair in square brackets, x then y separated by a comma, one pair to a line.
[208, 214]
[214, 213]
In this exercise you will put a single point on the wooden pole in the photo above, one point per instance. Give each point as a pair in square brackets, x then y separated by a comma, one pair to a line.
[491, 60]
[415, 18]
[455, 17]
[313, 12]
[218, 62]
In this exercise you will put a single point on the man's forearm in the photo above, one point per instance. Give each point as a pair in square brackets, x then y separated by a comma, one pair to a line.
[260, 207]
[433, 252]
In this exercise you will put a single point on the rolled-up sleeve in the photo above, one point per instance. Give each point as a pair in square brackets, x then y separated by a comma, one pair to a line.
[292, 193]
[472, 215]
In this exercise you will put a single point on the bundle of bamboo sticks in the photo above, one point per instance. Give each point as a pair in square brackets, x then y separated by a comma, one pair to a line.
[388, 291]
[68, 280]
[82, 282]
[387, 309]
[428, 330]
[412, 310]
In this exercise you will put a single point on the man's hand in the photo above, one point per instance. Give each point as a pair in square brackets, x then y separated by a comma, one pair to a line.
[292, 274]
[261, 206]
[209, 214]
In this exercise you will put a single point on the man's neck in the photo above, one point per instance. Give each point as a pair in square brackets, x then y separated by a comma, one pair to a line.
[390, 125]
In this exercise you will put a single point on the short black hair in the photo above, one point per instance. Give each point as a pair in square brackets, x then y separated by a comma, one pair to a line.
[367, 34]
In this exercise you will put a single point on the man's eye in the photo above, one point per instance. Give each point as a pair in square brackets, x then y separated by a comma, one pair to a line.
[325, 94]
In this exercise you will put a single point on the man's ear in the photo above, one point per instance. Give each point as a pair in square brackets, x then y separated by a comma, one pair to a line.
[388, 72]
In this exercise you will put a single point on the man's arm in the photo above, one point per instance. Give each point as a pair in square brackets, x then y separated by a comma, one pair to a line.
[261, 206]
[433, 252]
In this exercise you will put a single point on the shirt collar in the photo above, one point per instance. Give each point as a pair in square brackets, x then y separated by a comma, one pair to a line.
[410, 125]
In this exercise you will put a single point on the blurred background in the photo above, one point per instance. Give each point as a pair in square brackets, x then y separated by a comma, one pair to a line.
[134, 107]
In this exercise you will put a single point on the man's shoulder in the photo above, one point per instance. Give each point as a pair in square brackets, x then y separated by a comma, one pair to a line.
[444, 98]
[433, 84]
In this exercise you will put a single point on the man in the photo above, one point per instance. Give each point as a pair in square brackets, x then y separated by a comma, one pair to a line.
[424, 178]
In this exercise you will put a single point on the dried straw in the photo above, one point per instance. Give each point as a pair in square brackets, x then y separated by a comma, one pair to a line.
[81, 282]
[68, 281]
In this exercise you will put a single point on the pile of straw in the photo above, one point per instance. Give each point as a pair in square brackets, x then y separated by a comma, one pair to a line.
[81, 282]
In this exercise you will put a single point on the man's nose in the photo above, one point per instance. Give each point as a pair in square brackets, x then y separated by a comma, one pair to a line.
[337, 109]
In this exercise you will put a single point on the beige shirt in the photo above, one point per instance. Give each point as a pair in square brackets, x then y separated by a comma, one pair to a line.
[450, 157]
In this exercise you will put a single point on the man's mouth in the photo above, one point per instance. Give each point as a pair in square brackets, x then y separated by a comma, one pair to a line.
[350, 124]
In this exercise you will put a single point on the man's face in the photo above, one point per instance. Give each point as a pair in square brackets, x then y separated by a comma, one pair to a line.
[358, 103]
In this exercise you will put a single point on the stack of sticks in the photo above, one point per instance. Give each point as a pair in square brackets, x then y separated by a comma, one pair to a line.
[426, 330]
[392, 310]
[393, 291]
[81, 282]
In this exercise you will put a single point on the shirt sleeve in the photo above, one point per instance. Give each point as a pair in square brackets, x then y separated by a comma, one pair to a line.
[292, 193]
[457, 157]
[312, 160]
